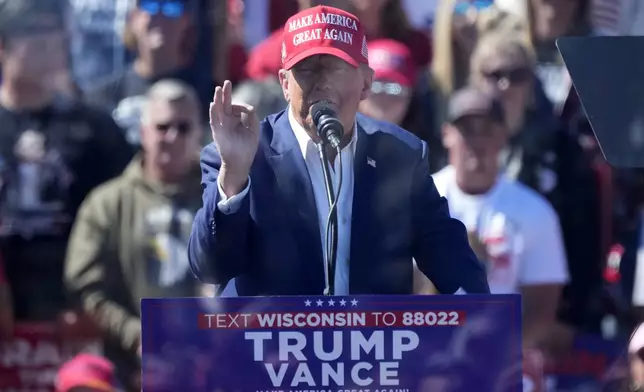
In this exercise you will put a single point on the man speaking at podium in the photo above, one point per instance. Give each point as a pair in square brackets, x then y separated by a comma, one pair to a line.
[264, 216]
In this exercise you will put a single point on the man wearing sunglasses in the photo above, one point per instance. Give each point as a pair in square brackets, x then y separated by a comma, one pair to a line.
[394, 74]
[163, 33]
[263, 221]
[547, 157]
[146, 214]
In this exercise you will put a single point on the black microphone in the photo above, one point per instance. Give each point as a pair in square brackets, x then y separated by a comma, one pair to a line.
[330, 129]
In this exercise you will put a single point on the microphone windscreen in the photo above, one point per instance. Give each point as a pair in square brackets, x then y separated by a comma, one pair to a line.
[319, 109]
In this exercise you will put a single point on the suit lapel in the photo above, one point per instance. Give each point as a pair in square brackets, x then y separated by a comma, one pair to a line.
[362, 225]
[294, 183]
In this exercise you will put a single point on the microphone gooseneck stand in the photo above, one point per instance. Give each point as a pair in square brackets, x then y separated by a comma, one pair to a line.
[331, 237]
[330, 131]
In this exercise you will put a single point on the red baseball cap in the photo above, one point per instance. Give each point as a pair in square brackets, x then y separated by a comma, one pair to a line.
[324, 30]
[392, 61]
[86, 370]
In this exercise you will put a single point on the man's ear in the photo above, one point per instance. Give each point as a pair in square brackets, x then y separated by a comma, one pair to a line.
[367, 76]
[283, 75]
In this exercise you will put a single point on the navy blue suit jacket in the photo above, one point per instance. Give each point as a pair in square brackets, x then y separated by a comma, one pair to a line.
[272, 246]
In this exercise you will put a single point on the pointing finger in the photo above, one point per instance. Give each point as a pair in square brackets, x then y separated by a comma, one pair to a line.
[228, 97]
[217, 109]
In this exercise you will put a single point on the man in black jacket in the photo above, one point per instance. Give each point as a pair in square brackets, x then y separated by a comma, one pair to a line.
[164, 36]
[53, 151]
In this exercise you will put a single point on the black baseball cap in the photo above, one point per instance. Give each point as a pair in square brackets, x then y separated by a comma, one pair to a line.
[472, 101]
[29, 16]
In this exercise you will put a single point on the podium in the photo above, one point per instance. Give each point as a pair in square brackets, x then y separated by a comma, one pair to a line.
[352, 343]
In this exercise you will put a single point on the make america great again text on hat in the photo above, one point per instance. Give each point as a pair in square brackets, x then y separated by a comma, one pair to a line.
[319, 33]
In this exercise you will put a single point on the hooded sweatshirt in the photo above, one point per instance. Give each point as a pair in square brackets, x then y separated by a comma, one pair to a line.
[129, 241]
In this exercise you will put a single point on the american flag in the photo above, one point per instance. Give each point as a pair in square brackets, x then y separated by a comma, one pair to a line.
[365, 51]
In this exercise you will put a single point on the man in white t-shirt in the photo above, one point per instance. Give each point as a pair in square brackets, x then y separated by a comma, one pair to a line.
[515, 230]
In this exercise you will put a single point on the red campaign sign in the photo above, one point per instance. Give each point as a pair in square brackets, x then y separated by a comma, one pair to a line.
[29, 361]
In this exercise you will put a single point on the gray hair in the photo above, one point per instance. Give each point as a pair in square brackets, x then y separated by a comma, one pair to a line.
[265, 96]
[169, 90]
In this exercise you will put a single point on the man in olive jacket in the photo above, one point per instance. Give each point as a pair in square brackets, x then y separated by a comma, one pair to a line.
[130, 237]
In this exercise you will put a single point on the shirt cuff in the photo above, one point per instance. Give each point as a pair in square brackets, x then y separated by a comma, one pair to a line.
[230, 205]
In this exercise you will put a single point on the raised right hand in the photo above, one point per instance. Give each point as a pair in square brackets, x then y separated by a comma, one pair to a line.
[235, 131]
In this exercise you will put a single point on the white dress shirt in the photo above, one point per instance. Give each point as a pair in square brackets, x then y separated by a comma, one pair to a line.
[344, 202]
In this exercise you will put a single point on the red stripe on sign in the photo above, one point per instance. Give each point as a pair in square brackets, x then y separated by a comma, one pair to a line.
[335, 319]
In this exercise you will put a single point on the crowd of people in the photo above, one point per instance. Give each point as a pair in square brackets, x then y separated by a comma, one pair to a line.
[104, 111]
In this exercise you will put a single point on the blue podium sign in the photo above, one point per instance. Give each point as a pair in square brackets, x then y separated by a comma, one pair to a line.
[355, 343]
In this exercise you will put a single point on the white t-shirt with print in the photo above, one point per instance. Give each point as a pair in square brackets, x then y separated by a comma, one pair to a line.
[519, 228]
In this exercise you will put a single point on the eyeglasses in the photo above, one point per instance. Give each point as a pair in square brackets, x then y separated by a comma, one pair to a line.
[462, 7]
[516, 75]
[182, 127]
[389, 89]
[168, 8]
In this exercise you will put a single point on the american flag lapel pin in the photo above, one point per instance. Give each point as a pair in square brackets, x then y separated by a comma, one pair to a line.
[371, 162]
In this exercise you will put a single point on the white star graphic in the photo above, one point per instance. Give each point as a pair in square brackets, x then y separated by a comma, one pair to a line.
[307, 303]
[319, 302]
[354, 302]
[343, 302]
[331, 302]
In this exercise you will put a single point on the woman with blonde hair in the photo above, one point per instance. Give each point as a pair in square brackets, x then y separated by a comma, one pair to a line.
[506, 63]
[545, 157]
[457, 27]
[456, 30]
[454, 36]
[546, 21]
